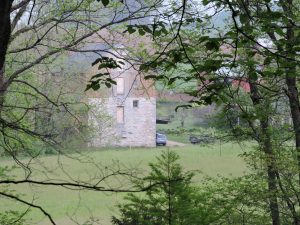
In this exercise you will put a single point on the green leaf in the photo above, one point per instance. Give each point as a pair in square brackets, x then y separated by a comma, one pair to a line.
[95, 86]
[157, 33]
[244, 18]
[176, 57]
[279, 31]
[205, 2]
[253, 75]
[107, 84]
[88, 87]
[105, 2]
[212, 45]
[142, 32]
[172, 80]
[111, 81]
[130, 29]
[147, 29]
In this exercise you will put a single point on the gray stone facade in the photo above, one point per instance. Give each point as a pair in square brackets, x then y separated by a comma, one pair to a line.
[137, 101]
[138, 128]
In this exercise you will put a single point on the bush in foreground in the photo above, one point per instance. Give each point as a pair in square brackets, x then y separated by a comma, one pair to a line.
[171, 200]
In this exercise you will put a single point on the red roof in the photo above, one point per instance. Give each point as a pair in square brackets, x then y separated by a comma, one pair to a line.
[242, 84]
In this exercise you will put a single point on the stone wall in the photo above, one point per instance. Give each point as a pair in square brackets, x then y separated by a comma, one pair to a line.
[138, 129]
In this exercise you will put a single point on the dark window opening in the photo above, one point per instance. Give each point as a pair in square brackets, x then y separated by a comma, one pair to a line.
[135, 103]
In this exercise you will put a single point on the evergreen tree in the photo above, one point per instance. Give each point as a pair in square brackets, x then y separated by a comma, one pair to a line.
[170, 200]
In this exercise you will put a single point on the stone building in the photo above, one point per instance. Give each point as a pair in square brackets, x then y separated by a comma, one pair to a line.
[124, 115]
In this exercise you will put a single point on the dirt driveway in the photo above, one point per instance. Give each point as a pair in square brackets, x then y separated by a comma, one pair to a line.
[175, 144]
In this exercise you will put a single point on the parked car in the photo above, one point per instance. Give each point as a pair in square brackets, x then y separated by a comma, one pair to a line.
[194, 140]
[161, 139]
[204, 139]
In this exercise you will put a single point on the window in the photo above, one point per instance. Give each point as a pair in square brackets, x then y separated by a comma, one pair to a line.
[120, 85]
[120, 114]
[135, 103]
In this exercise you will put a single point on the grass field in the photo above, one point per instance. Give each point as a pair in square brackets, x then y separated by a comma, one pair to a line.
[67, 205]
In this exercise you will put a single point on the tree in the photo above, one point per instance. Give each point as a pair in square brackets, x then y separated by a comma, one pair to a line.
[172, 200]
[166, 202]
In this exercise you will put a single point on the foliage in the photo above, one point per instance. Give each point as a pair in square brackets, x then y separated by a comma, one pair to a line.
[12, 217]
[171, 200]
[103, 78]
[174, 200]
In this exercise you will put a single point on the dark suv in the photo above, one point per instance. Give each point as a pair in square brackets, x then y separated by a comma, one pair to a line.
[203, 139]
[161, 139]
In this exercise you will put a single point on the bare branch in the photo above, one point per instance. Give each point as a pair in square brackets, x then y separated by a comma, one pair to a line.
[29, 204]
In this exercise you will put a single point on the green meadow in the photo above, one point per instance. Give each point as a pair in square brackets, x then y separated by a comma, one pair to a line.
[70, 206]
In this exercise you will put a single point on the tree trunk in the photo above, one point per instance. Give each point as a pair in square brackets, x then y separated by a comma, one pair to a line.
[266, 145]
[293, 96]
[292, 90]
[5, 32]
[271, 171]
[289, 64]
